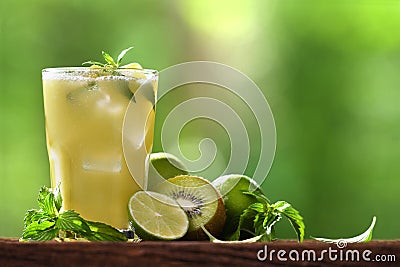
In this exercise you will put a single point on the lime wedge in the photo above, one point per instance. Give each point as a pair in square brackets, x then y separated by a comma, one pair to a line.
[134, 65]
[156, 216]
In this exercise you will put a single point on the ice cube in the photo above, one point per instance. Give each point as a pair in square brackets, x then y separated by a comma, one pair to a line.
[104, 163]
[83, 95]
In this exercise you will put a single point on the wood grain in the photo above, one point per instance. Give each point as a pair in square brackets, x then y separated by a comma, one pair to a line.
[182, 253]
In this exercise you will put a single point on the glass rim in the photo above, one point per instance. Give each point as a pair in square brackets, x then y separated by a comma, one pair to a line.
[80, 69]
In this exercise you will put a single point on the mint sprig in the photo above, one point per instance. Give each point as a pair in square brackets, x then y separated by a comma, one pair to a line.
[260, 218]
[110, 65]
[48, 222]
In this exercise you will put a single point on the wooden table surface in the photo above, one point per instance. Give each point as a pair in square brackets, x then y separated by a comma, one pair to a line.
[185, 253]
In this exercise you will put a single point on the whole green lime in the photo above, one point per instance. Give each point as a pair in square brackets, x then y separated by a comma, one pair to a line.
[163, 166]
[231, 188]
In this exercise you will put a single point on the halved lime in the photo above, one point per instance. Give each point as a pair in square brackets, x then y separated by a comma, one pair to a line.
[163, 166]
[157, 216]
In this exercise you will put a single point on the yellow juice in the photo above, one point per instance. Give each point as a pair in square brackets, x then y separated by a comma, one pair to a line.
[84, 110]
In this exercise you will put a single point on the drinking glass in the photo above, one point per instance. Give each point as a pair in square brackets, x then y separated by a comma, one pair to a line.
[85, 111]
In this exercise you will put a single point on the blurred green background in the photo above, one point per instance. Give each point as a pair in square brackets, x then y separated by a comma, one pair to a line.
[329, 69]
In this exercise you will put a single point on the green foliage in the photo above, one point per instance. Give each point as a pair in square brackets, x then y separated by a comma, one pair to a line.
[110, 64]
[264, 216]
[48, 222]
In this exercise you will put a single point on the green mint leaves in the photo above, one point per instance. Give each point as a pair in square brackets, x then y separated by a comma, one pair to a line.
[364, 237]
[296, 220]
[110, 65]
[48, 222]
[121, 55]
[260, 218]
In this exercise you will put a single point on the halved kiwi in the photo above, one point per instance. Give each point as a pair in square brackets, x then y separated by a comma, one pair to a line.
[200, 200]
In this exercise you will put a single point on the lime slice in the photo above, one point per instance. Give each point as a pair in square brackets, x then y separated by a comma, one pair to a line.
[138, 74]
[134, 65]
[156, 216]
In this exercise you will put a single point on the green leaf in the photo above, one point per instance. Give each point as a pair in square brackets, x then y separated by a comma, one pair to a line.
[364, 237]
[249, 219]
[43, 193]
[269, 221]
[46, 201]
[110, 66]
[246, 217]
[57, 198]
[293, 216]
[108, 59]
[40, 231]
[104, 232]
[122, 54]
[47, 223]
[91, 62]
[257, 207]
[71, 221]
[259, 196]
[33, 215]
[45, 235]
[258, 223]
[263, 224]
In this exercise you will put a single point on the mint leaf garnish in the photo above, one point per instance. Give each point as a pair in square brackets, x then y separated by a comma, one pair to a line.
[122, 54]
[296, 220]
[264, 222]
[48, 222]
[46, 201]
[246, 222]
[260, 197]
[111, 65]
[70, 220]
[35, 215]
[260, 218]
[109, 59]
[57, 198]
[101, 231]
[40, 231]
[364, 237]
[91, 62]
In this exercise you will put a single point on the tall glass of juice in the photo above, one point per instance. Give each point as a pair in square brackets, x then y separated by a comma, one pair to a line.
[85, 110]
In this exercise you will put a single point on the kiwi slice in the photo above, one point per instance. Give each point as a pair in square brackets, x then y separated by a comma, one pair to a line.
[200, 200]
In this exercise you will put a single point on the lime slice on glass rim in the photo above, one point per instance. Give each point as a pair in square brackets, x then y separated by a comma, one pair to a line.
[156, 216]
